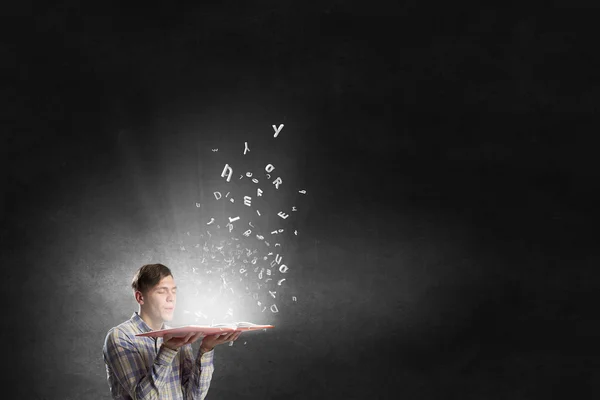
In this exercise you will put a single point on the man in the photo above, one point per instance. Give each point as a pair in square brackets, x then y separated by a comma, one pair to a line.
[157, 368]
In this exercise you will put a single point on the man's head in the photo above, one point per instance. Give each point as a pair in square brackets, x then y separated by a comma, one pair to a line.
[155, 291]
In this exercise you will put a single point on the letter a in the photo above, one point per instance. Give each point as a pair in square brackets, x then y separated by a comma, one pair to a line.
[227, 171]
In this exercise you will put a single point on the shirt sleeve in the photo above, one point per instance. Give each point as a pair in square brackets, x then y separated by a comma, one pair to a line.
[129, 368]
[196, 373]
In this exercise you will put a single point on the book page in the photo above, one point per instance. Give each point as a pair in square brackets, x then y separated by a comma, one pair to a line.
[205, 330]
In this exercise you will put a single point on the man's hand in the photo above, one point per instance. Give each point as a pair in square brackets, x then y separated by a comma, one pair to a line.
[175, 343]
[209, 342]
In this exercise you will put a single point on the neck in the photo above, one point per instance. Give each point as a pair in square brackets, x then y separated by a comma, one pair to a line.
[154, 325]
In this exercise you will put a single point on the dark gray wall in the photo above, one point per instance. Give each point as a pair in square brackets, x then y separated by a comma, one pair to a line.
[445, 243]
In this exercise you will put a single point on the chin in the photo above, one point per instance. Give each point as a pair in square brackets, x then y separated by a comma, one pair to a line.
[168, 317]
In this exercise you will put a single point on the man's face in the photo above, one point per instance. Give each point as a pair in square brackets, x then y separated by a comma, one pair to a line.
[159, 302]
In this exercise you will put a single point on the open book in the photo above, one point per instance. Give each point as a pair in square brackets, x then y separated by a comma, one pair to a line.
[206, 330]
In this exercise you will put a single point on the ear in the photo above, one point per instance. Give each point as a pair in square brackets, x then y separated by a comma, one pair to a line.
[139, 297]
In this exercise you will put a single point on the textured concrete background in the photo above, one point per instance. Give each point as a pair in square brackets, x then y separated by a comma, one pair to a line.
[447, 247]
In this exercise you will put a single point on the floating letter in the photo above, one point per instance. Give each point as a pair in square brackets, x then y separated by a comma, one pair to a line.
[282, 214]
[219, 193]
[274, 310]
[277, 130]
[246, 147]
[269, 168]
[247, 200]
[227, 171]
[283, 269]
[277, 182]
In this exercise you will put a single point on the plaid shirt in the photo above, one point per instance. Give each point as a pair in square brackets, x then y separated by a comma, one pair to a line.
[141, 368]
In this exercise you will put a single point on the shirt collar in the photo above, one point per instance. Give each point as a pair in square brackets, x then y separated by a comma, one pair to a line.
[141, 324]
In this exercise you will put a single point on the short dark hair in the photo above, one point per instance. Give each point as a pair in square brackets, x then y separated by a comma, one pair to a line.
[148, 276]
